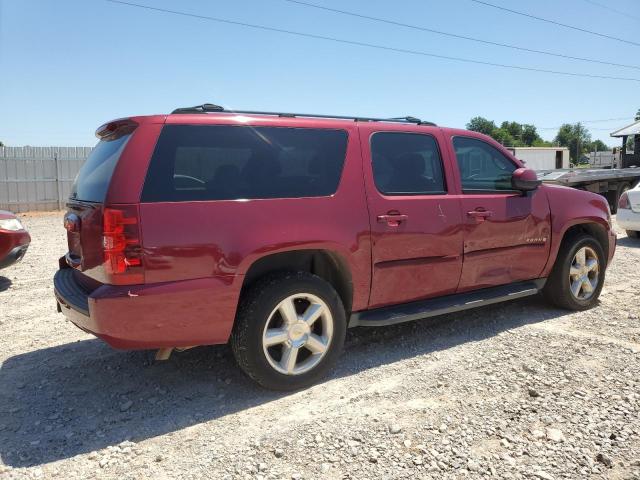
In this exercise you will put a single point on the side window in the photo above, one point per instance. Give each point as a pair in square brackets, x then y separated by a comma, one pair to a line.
[219, 162]
[482, 167]
[406, 164]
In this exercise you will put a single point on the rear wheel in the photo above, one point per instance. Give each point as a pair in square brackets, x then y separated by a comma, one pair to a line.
[289, 330]
[633, 234]
[577, 277]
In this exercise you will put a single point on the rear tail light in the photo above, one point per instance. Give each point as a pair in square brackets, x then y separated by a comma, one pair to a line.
[624, 202]
[116, 129]
[121, 245]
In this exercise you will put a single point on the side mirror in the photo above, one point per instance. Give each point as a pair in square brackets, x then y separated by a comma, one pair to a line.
[525, 180]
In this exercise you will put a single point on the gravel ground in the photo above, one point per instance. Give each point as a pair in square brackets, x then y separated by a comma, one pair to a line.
[519, 390]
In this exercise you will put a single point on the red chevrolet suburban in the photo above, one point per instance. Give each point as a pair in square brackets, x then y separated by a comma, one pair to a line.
[276, 232]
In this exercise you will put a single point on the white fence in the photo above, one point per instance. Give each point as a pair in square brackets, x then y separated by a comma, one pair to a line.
[38, 178]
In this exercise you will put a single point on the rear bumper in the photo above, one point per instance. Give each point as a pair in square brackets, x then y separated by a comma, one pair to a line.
[15, 255]
[175, 314]
[13, 246]
[628, 219]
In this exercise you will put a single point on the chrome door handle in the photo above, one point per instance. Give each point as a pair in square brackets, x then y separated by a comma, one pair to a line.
[393, 219]
[480, 215]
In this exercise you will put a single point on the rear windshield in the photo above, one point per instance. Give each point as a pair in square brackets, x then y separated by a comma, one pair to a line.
[214, 162]
[93, 179]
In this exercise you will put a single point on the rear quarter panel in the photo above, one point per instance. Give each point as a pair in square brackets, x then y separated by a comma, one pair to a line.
[202, 239]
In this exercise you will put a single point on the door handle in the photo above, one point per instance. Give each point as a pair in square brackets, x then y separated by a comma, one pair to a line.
[393, 219]
[480, 215]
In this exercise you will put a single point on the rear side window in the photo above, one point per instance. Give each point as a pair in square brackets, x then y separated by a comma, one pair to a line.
[406, 164]
[214, 162]
[482, 166]
[93, 179]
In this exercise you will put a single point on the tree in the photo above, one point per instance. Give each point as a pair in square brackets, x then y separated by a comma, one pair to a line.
[481, 125]
[1, 144]
[598, 146]
[576, 137]
[512, 134]
[505, 138]
[638, 115]
[512, 128]
[530, 135]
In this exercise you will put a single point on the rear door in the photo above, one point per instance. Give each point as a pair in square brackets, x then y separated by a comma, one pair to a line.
[506, 234]
[415, 221]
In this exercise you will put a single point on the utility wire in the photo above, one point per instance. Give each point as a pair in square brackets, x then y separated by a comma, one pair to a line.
[454, 35]
[590, 121]
[372, 45]
[572, 27]
[607, 7]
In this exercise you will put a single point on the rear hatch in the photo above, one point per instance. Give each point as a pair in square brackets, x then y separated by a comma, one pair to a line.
[85, 216]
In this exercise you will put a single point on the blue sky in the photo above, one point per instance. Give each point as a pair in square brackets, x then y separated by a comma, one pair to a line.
[67, 66]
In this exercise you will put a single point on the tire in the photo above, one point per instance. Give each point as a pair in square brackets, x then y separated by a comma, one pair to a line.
[259, 312]
[621, 189]
[633, 234]
[558, 287]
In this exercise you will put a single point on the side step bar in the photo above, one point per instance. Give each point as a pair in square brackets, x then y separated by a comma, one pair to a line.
[442, 305]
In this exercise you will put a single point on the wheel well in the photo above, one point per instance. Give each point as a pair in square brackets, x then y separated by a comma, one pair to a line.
[327, 265]
[595, 230]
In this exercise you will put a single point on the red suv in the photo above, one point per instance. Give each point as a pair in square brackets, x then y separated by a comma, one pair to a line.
[276, 232]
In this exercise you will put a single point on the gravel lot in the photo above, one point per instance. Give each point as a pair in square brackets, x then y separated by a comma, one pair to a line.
[519, 390]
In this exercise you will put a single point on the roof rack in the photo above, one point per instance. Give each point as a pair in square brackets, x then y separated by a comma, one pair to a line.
[211, 108]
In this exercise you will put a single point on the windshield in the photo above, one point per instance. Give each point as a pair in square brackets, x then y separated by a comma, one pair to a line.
[93, 179]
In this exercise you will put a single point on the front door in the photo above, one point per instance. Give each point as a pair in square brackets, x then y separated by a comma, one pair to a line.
[415, 222]
[506, 234]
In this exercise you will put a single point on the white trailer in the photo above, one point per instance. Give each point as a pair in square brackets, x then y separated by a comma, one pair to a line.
[542, 158]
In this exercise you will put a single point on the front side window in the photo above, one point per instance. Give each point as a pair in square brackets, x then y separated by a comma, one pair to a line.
[482, 166]
[406, 164]
[219, 162]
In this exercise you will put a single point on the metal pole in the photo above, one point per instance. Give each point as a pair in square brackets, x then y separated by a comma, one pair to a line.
[55, 157]
[578, 146]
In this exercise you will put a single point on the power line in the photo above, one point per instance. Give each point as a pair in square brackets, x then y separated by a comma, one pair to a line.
[590, 121]
[607, 7]
[572, 27]
[454, 35]
[371, 45]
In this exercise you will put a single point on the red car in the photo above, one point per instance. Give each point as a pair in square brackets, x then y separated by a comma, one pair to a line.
[276, 232]
[14, 239]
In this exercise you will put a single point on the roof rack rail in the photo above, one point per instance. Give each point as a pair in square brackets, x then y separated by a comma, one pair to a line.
[204, 108]
[210, 107]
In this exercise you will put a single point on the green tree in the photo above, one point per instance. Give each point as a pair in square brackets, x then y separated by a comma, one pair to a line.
[481, 125]
[505, 138]
[542, 143]
[513, 128]
[1, 144]
[512, 134]
[598, 146]
[530, 135]
[576, 137]
[638, 115]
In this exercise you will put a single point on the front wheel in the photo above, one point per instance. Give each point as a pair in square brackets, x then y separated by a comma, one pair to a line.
[289, 331]
[577, 277]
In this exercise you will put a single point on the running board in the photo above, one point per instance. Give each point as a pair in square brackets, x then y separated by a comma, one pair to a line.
[442, 305]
